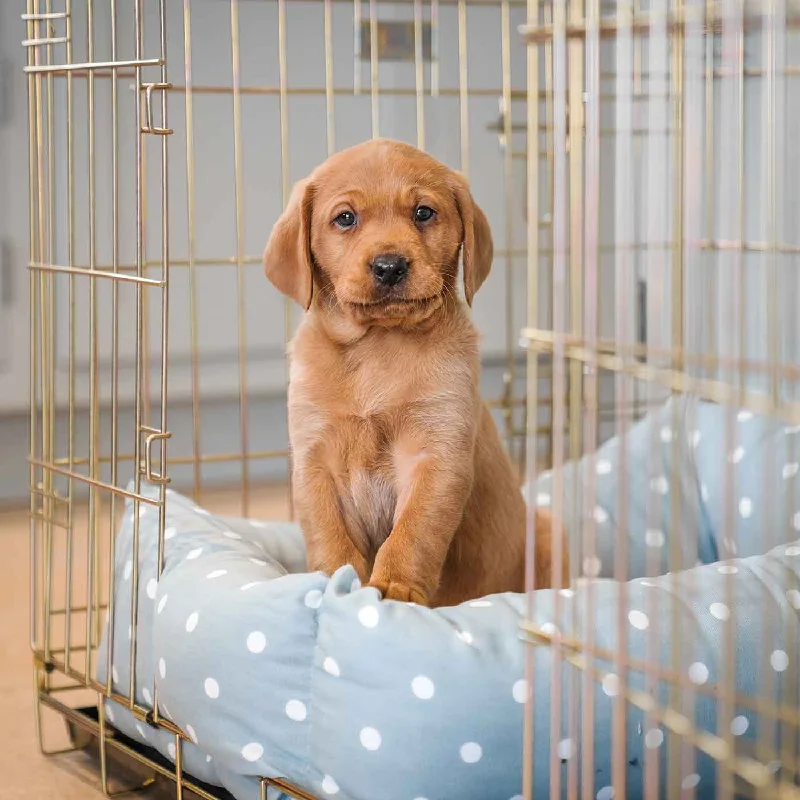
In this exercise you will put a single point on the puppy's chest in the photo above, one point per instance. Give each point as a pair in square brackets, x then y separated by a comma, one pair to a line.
[359, 452]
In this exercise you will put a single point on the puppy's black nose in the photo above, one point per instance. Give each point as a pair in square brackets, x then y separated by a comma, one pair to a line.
[389, 269]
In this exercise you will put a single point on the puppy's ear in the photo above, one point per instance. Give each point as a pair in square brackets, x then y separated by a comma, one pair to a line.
[477, 246]
[287, 258]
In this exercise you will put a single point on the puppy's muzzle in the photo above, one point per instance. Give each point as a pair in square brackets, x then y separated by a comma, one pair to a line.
[389, 269]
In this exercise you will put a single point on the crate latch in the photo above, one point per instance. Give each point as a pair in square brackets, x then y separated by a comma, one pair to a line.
[153, 435]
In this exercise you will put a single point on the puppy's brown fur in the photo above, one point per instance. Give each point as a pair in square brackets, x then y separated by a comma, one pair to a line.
[398, 468]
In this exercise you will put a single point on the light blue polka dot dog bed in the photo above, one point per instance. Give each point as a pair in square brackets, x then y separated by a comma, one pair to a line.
[272, 671]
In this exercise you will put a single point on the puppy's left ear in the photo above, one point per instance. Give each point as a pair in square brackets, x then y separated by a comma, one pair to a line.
[477, 246]
[287, 258]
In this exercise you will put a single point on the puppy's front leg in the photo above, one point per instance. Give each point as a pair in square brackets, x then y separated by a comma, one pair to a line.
[430, 507]
[328, 544]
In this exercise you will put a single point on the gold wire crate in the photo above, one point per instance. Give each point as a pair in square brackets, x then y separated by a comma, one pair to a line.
[623, 115]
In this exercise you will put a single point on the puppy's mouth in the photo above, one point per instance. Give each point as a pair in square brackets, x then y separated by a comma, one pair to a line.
[396, 308]
[391, 300]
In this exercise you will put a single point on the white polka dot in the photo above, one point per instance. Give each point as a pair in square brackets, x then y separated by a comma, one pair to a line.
[565, 749]
[193, 554]
[665, 434]
[465, 636]
[368, 616]
[109, 713]
[355, 585]
[792, 550]
[690, 781]
[191, 734]
[745, 507]
[128, 569]
[370, 739]
[331, 667]
[211, 688]
[250, 585]
[704, 492]
[603, 467]
[422, 687]
[169, 533]
[606, 793]
[148, 698]
[592, 566]
[739, 725]
[549, 629]
[638, 619]
[610, 684]
[114, 674]
[252, 751]
[191, 621]
[660, 484]
[727, 569]
[793, 596]
[231, 535]
[519, 690]
[152, 588]
[481, 604]
[171, 750]
[141, 731]
[161, 603]
[258, 561]
[256, 642]
[313, 598]
[744, 415]
[543, 499]
[694, 438]
[654, 537]
[162, 668]
[217, 573]
[471, 752]
[654, 738]
[737, 455]
[698, 673]
[329, 785]
[296, 710]
[790, 470]
[719, 611]
[779, 660]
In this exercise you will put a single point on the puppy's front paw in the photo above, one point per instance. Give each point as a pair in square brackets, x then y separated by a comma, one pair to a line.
[392, 590]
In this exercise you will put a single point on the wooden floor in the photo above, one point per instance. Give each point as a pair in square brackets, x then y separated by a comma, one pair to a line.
[25, 774]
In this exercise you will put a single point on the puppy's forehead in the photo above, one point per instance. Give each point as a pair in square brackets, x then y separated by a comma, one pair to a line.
[381, 168]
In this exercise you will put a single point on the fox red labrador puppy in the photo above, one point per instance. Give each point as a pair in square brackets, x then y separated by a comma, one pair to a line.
[398, 468]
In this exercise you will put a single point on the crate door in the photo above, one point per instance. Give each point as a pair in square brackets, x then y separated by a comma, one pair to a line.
[99, 305]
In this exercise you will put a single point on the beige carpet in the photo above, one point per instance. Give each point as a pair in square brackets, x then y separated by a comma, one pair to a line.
[25, 774]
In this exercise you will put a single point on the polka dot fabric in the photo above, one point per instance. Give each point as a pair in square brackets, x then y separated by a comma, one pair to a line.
[272, 671]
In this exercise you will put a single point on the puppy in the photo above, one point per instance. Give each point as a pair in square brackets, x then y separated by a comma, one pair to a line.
[397, 465]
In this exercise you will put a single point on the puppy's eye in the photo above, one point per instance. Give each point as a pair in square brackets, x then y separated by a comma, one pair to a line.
[345, 220]
[423, 214]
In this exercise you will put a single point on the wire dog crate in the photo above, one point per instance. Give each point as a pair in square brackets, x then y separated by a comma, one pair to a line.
[634, 263]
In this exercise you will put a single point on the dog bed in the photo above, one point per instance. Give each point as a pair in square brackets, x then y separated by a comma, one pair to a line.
[273, 671]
